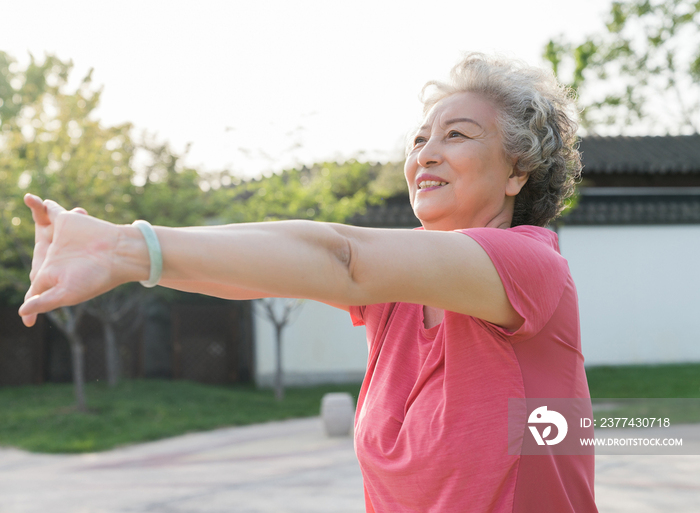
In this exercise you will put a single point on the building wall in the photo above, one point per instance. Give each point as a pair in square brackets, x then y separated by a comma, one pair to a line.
[320, 345]
[639, 292]
[639, 296]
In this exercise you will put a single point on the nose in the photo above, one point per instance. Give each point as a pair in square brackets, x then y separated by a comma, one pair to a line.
[430, 154]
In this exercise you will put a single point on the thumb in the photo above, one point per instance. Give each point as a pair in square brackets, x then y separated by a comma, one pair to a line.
[36, 296]
[41, 303]
[36, 205]
[29, 320]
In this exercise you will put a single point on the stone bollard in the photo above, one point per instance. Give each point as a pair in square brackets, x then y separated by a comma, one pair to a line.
[338, 413]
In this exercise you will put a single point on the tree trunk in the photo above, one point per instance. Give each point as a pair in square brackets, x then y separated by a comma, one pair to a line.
[279, 322]
[279, 385]
[112, 362]
[78, 360]
[68, 322]
[110, 309]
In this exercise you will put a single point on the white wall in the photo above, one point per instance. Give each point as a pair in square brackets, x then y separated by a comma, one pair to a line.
[319, 346]
[639, 296]
[639, 292]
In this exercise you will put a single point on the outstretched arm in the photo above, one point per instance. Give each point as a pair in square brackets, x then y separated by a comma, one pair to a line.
[327, 262]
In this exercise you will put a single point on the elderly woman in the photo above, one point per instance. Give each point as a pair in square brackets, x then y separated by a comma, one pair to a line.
[475, 308]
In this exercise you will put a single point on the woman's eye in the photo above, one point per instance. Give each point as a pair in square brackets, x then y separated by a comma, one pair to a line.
[418, 140]
[454, 134]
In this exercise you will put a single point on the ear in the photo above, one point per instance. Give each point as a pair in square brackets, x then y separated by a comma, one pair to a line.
[516, 180]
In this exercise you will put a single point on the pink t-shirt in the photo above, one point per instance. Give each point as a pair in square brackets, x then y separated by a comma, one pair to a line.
[431, 430]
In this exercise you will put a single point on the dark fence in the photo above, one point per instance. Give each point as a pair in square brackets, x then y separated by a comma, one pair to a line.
[22, 350]
[206, 344]
[209, 343]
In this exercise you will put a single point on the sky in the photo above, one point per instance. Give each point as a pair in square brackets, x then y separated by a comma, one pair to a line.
[256, 87]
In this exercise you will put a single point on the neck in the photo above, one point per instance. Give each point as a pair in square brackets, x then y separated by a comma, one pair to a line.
[502, 220]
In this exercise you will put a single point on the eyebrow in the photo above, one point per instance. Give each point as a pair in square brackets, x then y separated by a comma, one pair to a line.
[456, 120]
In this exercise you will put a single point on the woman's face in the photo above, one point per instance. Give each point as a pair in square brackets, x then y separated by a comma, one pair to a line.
[457, 172]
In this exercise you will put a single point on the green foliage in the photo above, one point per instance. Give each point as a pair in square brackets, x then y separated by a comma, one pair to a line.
[41, 418]
[167, 193]
[329, 191]
[642, 70]
[49, 145]
[52, 145]
[390, 181]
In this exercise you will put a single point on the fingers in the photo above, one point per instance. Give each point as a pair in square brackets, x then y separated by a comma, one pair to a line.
[31, 200]
[38, 209]
[53, 209]
[35, 289]
[40, 303]
[41, 208]
[29, 320]
[44, 212]
[44, 294]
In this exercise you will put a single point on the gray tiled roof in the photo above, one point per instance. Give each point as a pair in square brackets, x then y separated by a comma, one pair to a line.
[636, 206]
[641, 155]
[667, 156]
[608, 210]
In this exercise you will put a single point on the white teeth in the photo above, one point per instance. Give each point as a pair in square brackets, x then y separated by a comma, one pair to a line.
[429, 183]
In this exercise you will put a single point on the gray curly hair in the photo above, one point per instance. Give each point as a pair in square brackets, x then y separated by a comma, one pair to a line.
[537, 120]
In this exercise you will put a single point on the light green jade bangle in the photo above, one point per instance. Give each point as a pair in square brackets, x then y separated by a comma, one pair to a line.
[154, 252]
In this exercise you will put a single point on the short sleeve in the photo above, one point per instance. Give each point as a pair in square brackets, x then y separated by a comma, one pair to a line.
[357, 315]
[374, 317]
[533, 273]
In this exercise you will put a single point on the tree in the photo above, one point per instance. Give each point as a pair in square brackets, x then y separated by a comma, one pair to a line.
[51, 144]
[640, 74]
[110, 309]
[279, 312]
[168, 193]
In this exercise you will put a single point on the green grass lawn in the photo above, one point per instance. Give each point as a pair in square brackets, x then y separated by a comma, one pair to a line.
[648, 382]
[41, 418]
[645, 381]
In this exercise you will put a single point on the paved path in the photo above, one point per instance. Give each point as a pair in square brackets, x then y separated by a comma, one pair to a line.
[278, 467]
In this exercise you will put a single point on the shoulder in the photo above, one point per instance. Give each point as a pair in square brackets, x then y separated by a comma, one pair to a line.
[525, 235]
[532, 270]
[525, 247]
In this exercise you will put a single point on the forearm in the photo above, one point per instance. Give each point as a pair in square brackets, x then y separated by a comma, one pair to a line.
[288, 258]
[213, 289]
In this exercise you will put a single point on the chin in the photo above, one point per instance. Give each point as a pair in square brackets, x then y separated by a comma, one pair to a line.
[431, 213]
[426, 215]
[437, 224]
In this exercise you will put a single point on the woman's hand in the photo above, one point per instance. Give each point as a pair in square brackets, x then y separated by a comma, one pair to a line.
[73, 256]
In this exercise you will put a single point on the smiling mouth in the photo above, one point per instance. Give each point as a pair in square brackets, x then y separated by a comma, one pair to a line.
[430, 184]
